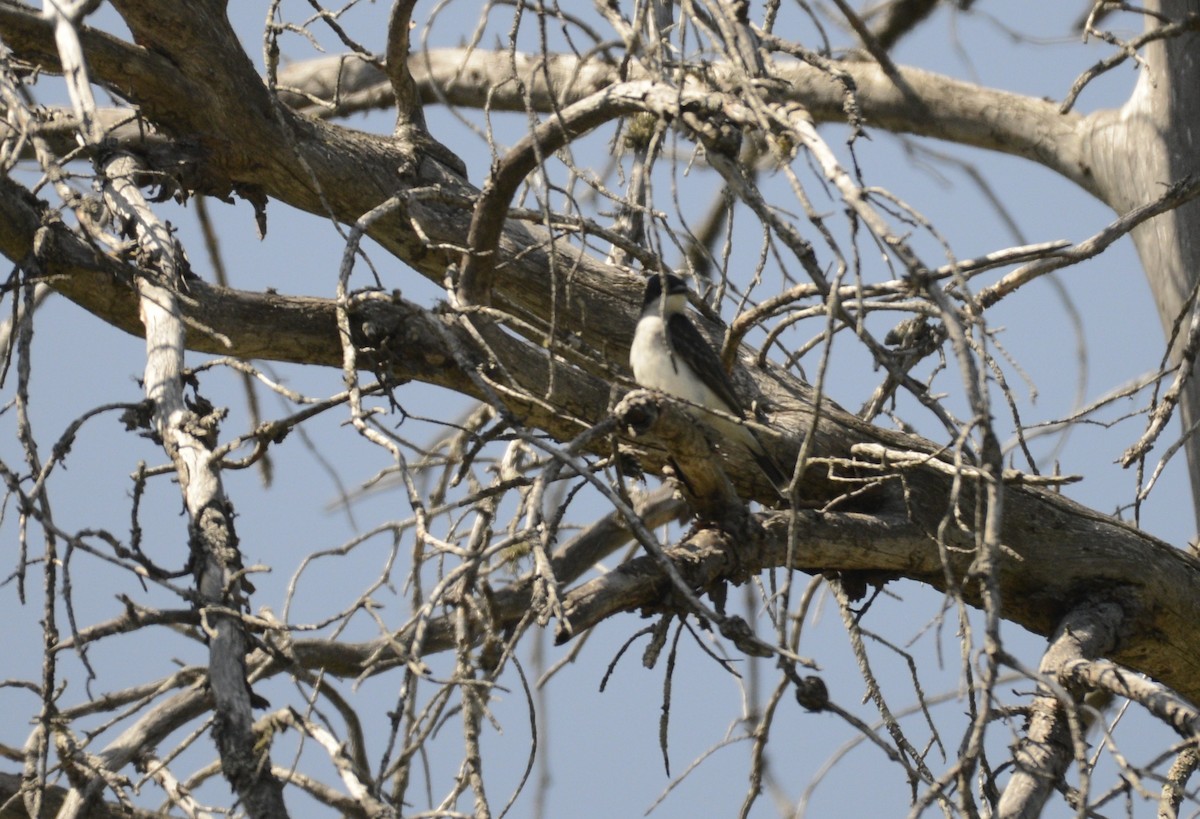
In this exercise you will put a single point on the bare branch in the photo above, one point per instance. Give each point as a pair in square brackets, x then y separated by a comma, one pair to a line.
[1053, 737]
[184, 436]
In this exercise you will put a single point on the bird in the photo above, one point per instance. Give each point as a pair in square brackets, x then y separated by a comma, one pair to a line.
[670, 355]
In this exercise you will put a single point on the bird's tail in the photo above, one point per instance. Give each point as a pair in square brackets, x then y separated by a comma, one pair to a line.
[766, 462]
[769, 466]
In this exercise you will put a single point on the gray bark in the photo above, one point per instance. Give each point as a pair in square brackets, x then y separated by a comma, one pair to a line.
[231, 136]
[1134, 154]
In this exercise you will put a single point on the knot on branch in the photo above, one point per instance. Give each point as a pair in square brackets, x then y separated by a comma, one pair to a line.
[643, 414]
[811, 693]
[712, 127]
[203, 420]
[397, 339]
[215, 558]
[738, 632]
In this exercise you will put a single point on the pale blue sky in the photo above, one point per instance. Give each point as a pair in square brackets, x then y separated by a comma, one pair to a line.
[603, 748]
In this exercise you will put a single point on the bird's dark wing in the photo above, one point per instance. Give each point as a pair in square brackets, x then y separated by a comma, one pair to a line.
[693, 348]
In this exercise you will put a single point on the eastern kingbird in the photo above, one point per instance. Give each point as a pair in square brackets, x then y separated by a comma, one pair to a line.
[669, 354]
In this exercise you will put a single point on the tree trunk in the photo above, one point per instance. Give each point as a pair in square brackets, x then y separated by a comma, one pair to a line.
[1136, 153]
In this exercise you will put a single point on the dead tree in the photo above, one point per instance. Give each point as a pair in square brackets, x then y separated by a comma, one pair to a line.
[541, 263]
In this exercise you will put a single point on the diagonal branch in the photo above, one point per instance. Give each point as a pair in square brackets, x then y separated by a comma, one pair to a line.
[1054, 736]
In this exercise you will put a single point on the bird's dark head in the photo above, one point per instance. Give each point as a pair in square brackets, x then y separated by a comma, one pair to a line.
[654, 288]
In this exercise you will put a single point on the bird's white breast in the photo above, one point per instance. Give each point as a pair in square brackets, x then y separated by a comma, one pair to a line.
[655, 368]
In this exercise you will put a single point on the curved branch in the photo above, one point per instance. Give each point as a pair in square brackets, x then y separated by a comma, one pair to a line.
[930, 104]
[491, 209]
[699, 108]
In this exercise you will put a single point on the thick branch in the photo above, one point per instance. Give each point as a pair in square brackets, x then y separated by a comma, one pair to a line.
[323, 169]
[53, 799]
[186, 438]
[1053, 733]
[1042, 533]
[695, 464]
[1140, 150]
[936, 105]
[1046, 530]
[398, 339]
